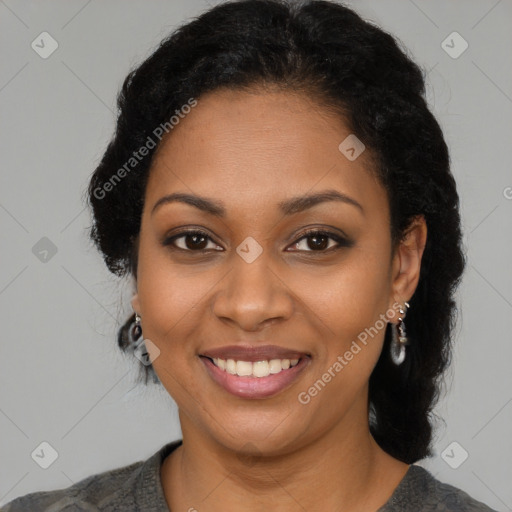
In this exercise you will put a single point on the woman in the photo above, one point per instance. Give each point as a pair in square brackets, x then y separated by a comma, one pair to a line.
[282, 197]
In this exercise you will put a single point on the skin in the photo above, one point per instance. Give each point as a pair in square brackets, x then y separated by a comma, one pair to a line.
[250, 151]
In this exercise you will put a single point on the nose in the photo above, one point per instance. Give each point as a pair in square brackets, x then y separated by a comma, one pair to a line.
[252, 295]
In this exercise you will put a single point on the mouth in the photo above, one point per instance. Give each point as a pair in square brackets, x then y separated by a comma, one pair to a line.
[252, 373]
[256, 369]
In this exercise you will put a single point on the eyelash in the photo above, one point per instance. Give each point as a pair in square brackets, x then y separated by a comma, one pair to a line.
[342, 242]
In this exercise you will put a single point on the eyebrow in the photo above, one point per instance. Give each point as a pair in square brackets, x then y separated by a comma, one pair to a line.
[288, 207]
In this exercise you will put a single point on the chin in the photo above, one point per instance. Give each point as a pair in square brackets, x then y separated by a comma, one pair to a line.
[260, 434]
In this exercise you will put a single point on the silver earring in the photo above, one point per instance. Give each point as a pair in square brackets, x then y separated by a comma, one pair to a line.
[399, 339]
[135, 331]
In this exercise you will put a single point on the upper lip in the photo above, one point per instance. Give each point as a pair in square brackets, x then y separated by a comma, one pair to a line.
[253, 353]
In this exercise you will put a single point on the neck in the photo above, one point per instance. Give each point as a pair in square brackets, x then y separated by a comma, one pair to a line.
[341, 469]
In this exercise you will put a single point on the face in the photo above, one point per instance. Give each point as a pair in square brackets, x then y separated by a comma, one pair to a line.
[242, 266]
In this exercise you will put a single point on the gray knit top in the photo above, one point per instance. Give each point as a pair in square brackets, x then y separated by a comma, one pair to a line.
[138, 487]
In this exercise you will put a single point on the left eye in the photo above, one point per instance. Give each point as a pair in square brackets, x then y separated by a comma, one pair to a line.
[318, 241]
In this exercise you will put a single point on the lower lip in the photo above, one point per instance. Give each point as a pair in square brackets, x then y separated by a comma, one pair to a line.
[254, 387]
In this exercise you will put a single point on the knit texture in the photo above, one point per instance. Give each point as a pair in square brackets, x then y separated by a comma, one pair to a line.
[138, 488]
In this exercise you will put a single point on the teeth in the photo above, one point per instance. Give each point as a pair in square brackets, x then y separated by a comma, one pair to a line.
[231, 366]
[256, 369]
[275, 365]
[243, 368]
[260, 369]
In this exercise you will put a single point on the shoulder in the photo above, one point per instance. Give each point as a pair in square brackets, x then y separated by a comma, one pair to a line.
[87, 494]
[422, 491]
[83, 495]
[133, 487]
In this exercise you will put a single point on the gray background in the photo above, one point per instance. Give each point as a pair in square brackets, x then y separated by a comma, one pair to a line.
[62, 378]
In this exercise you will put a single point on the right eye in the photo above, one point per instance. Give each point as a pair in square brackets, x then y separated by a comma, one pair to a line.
[191, 241]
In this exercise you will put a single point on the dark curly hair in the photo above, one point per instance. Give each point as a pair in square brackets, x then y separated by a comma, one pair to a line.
[327, 51]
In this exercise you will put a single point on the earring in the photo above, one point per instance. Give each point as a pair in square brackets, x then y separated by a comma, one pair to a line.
[399, 339]
[135, 331]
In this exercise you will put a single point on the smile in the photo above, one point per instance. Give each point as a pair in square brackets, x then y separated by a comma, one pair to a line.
[254, 379]
[256, 369]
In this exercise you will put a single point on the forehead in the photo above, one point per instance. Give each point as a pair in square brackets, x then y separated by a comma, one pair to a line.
[259, 147]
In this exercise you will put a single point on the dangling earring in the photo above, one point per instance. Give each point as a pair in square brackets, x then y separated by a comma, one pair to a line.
[399, 338]
[135, 331]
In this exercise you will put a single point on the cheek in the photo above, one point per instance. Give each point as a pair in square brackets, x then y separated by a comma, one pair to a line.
[170, 299]
[353, 301]
[170, 303]
[167, 291]
[349, 297]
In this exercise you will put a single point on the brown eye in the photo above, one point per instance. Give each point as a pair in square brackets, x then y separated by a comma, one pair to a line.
[192, 241]
[321, 241]
[317, 242]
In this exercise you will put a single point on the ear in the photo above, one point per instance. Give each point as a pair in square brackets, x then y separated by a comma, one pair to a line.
[406, 264]
[136, 303]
